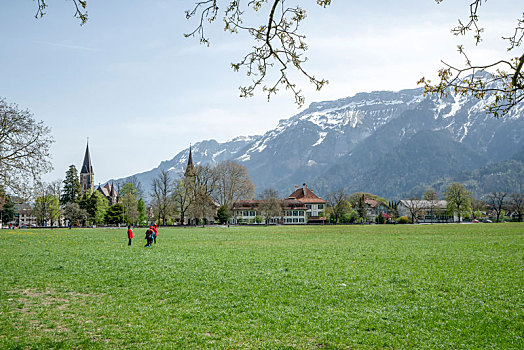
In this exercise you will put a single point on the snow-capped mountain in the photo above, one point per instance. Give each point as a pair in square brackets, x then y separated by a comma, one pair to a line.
[354, 141]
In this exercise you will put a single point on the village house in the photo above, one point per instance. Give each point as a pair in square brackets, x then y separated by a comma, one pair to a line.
[300, 208]
[373, 208]
[316, 206]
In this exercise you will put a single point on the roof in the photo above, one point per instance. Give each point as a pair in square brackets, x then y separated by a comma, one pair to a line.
[87, 168]
[305, 195]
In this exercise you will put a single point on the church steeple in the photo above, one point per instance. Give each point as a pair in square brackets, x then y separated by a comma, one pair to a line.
[190, 169]
[87, 176]
[87, 168]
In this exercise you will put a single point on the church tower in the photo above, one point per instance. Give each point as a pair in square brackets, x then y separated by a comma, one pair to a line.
[190, 169]
[87, 176]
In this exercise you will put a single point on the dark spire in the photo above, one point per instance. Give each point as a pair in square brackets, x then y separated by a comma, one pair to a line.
[190, 169]
[87, 168]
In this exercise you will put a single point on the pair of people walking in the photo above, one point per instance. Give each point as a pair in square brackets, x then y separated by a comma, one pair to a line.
[151, 234]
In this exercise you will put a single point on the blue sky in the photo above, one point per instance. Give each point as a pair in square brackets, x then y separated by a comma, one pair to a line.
[141, 92]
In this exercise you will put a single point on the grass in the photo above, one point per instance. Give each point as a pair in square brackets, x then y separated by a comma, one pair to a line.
[356, 287]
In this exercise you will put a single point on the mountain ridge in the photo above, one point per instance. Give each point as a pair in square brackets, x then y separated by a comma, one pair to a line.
[347, 142]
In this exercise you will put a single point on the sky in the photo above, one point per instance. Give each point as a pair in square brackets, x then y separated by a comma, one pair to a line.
[141, 92]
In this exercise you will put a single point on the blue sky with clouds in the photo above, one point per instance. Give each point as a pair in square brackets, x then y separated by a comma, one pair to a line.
[141, 92]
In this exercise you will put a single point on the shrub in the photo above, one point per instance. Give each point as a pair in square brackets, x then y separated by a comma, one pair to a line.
[403, 220]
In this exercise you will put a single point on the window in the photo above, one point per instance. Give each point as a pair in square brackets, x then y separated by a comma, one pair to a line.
[321, 206]
[308, 206]
[301, 220]
[251, 213]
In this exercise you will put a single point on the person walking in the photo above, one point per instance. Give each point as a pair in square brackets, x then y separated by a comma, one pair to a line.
[129, 234]
[149, 238]
[155, 232]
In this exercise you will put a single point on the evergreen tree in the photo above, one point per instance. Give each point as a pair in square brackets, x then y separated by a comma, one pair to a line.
[223, 214]
[8, 210]
[71, 189]
[141, 208]
[114, 214]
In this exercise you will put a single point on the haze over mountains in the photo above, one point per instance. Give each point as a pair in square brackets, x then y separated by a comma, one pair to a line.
[393, 144]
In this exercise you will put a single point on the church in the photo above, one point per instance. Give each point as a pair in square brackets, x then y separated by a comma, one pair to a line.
[87, 181]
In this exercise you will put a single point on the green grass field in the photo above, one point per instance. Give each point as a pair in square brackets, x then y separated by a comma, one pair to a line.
[356, 287]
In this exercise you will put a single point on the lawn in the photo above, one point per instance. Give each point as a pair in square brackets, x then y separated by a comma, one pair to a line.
[356, 287]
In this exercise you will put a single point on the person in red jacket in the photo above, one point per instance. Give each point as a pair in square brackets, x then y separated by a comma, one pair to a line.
[129, 234]
[155, 231]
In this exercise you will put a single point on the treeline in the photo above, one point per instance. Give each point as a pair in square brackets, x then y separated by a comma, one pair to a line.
[195, 196]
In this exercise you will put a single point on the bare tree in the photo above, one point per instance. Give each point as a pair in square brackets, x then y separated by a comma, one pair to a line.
[339, 203]
[232, 183]
[431, 197]
[517, 204]
[183, 197]
[24, 149]
[162, 194]
[137, 185]
[415, 207]
[202, 207]
[497, 202]
[270, 204]
[47, 206]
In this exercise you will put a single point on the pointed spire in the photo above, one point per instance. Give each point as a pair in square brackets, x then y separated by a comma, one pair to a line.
[87, 168]
[190, 169]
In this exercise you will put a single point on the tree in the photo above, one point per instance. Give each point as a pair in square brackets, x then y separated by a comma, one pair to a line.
[431, 196]
[497, 202]
[129, 201]
[415, 207]
[202, 206]
[270, 204]
[232, 183]
[141, 208]
[459, 200]
[99, 206]
[71, 187]
[24, 149]
[162, 195]
[504, 89]
[47, 207]
[74, 214]
[114, 214]
[338, 203]
[280, 46]
[361, 207]
[517, 204]
[223, 214]
[7, 210]
[182, 197]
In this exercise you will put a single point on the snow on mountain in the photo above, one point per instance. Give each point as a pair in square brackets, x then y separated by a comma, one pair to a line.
[346, 136]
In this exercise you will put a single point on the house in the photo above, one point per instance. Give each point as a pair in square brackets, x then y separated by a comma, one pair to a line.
[426, 211]
[316, 206]
[300, 208]
[373, 208]
[246, 212]
[25, 215]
